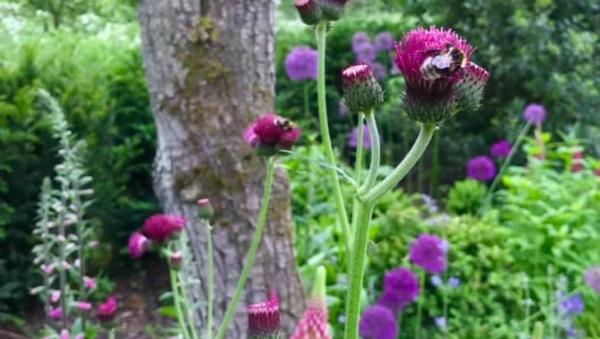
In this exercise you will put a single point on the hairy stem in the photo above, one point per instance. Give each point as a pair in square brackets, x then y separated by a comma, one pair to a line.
[358, 165]
[177, 302]
[375, 154]
[211, 281]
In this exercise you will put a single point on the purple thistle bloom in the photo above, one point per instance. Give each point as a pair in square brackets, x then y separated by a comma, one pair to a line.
[400, 288]
[358, 39]
[384, 41]
[501, 149]
[454, 282]
[535, 114]
[301, 64]
[365, 53]
[353, 138]
[378, 322]
[441, 323]
[342, 108]
[379, 71]
[572, 306]
[481, 168]
[430, 253]
[592, 278]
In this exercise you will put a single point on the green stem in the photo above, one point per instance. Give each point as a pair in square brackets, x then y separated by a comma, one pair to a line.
[420, 306]
[251, 255]
[435, 171]
[375, 154]
[411, 158]
[177, 303]
[321, 32]
[111, 333]
[306, 105]
[357, 271]
[358, 165]
[185, 299]
[211, 281]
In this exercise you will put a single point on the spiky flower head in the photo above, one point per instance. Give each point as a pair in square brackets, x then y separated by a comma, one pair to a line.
[138, 244]
[301, 64]
[106, 311]
[205, 209]
[271, 133]
[440, 77]
[309, 10]
[592, 278]
[264, 320]
[378, 322]
[361, 90]
[481, 168]
[161, 227]
[332, 10]
[501, 149]
[400, 288]
[430, 253]
[535, 114]
[313, 323]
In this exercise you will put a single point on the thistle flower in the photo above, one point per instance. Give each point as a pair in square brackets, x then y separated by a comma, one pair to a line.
[378, 322]
[358, 39]
[160, 227]
[440, 77]
[353, 138]
[271, 133]
[400, 288]
[592, 278]
[205, 209]
[264, 319]
[90, 283]
[361, 90]
[55, 313]
[501, 149]
[384, 41]
[301, 64]
[535, 114]
[313, 323]
[332, 10]
[106, 311]
[309, 10]
[82, 305]
[429, 252]
[138, 244]
[481, 168]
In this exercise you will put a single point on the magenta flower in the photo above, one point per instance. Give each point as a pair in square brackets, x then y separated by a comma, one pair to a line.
[271, 133]
[378, 322]
[501, 149]
[106, 311]
[82, 305]
[264, 318]
[384, 41]
[430, 253]
[301, 64]
[353, 138]
[138, 245]
[535, 114]
[55, 313]
[481, 168]
[400, 288]
[160, 227]
[592, 278]
[90, 283]
[440, 77]
[309, 10]
[64, 334]
[54, 296]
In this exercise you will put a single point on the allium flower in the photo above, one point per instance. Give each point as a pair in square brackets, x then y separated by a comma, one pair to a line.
[379, 71]
[454, 282]
[90, 283]
[400, 288]
[572, 306]
[160, 227]
[429, 252]
[263, 319]
[271, 133]
[301, 64]
[365, 53]
[332, 9]
[440, 77]
[384, 41]
[310, 11]
[481, 168]
[55, 313]
[441, 323]
[138, 244]
[342, 109]
[535, 114]
[359, 39]
[501, 149]
[54, 296]
[592, 278]
[378, 322]
[313, 323]
[361, 90]
[106, 312]
[82, 305]
[353, 138]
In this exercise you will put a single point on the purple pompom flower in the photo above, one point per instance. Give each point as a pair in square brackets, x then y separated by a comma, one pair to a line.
[535, 114]
[592, 278]
[379, 71]
[481, 168]
[400, 288]
[384, 41]
[378, 322]
[359, 39]
[301, 64]
[365, 53]
[353, 138]
[430, 253]
[501, 149]
[572, 306]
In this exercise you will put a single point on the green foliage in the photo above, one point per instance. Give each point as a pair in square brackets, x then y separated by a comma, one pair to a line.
[466, 197]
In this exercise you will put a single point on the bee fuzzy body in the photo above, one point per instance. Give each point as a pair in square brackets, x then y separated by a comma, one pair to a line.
[444, 64]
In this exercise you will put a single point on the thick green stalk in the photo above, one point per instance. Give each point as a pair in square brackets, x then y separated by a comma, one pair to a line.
[177, 303]
[321, 32]
[251, 255]
[358, 166]
[185, 299]
[411, 158]
[357, 272]
[211, 281]
[375, 154]
[435, 171]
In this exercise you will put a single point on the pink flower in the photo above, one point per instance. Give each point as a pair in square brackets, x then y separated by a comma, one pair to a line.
[55, 313]
[138, 244]
[90, 283]
[160, 227]
[54, 296]
[270, 133]
[313, 323]
[82, 305]
[106, 312]
[263, 318]
[48, 269]
[64, 334]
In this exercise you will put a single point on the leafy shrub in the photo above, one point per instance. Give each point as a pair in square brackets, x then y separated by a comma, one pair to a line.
[466, 197]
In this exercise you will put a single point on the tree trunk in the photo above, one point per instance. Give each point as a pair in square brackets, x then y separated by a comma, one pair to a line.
[210, 71]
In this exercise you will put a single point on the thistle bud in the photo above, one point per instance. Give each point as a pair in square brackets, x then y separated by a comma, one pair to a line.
[138, 244]
[362, 92]
[175, 260]
[313, 323]
[332, 10]
[205, 209]
[310, 11]
[264, 320]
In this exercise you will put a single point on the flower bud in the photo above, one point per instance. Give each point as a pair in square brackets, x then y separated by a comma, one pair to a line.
[54, 296]
[205, 209]
[175, 260]
[55, 313]
[362, 92]
[106, 311]
[271, 133]
[90, 283]
[82, 305]
[332, 10]
[263, 319]
[313, 323]
[310, 11]
[138, 245]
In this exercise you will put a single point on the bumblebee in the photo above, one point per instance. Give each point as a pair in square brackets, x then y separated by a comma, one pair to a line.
[444, 64]
[284, 124]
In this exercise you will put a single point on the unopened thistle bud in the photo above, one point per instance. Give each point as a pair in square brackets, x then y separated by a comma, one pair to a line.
[264, 319]
[332, 10]
[138, 244]
[310, 11]
[205, 209]
[175, 260]
[362, 92]
[271, 133]
[313, 323]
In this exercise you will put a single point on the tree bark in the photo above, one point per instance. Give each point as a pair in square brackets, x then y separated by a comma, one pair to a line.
[209, 66]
